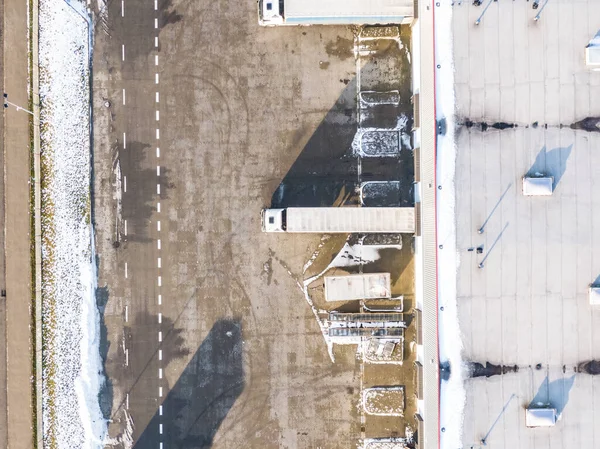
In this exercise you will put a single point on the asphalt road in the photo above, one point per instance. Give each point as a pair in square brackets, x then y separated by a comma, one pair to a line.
[207, 339]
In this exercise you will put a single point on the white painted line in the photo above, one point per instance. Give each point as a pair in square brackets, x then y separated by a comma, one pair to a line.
[125, 184]
[158, 170]
[157, 97]
[122, 8]
[155, 23]
[156, 78]
[157, 133]
[125, 270]
[159, 281]
[158, 243]
[160, 429]
[123, 51]
[125, 227]
[157, 152]
[160, 392]
[159, 336]
[160, 410]
[157, 116]
[156, 41]
[159, 300]
[158, 189]
[127, 401]
[126, 314]
[160, 446]
[160, 373]
[123, 97]
[158, 207]
[126, 357]
[159, 262]
[155, 5]
[155, 59]
[160, 354]
[124, 141]
[159, 318]
[158, 225]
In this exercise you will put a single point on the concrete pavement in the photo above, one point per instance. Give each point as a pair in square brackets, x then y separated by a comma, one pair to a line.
[16, 150]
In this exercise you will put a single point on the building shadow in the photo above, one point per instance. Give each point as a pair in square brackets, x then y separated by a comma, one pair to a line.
[105, 396]
[207, 389]
[554, 394]
[551, 163]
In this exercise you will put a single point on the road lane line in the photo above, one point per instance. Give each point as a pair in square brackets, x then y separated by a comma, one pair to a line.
[160, 373]
[123, 51]
[157, 116]
[155, 5]
[158, 207]
[159, 300]
[158, 189]
[158, 225]
[159, 318]
[125, 270]
[157, 133]
[160, 429]
[160, 446]
[124, 141]
[160, 410]
[157, 152]
[157, 97]
[160, 391]
[156, 78]
[123, 97]
[156, 41]
[122, 8]
[125, 184]
[126, 314]
[125, 227]
[155, 59]
[160, 354]
[127, 401]
[155, 23]
[126, 357]
[159, 281]
[159, 336]
[158, 243]
[158, 170]
[159, 262]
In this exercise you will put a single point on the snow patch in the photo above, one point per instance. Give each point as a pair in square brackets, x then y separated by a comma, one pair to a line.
[72, 368]
[452, 392]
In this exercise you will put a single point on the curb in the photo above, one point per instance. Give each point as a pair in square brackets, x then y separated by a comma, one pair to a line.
[39, 443]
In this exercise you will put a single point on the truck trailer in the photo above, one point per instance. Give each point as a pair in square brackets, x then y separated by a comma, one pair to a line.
[340, 220]
[334, 12]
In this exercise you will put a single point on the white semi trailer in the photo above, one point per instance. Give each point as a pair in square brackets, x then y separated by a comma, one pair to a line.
[334, 12]
[340, 220]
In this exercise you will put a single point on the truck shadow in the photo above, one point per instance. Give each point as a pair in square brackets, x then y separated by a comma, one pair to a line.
[196, 406]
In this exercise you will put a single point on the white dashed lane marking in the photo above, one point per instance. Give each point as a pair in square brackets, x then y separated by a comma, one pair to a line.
[160, 392]
[123, 52]
[156, 60]
[156, 41]
[160, 354]
[158, 244]
[159, 318]
[158, 170]
[156, 78]
[125, 270]
[127, 401]
[160, 410]
[157, 133]
[124, 141]
[122, 8]
[157, 116]
[125, 227]
[157, 152]
[158, 207]
[155, 5]
[123, 97]
[125, 184]
[160, 429]
[158, 189]
[159, 336]
[159, 262]
[159, 281]
[157, 97]
[126, 357]
[160, 373]
[155, 23]
[126, 314]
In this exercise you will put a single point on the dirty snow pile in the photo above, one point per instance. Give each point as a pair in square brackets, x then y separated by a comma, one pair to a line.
[452, 391]
[72, 366]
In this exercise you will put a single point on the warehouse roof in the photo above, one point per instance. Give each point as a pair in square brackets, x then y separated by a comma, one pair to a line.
[357, 12]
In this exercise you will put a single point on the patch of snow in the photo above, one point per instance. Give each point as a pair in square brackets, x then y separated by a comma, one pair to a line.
[72, 374]
[380, 142]
[452, 392]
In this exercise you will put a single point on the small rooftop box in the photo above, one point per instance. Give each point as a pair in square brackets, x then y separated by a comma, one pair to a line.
[594, 295]
[540, 417]
[536, 186]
